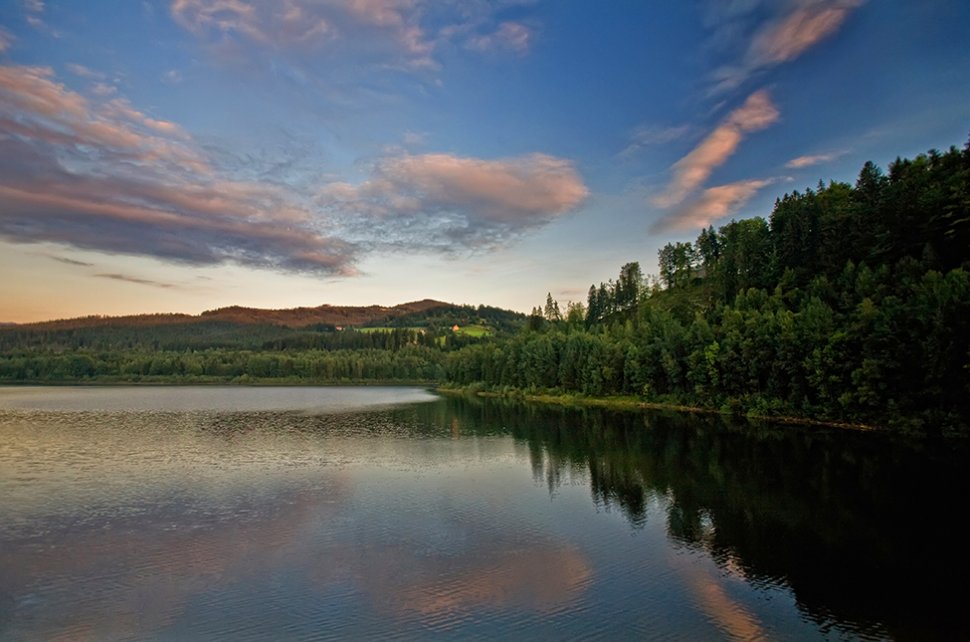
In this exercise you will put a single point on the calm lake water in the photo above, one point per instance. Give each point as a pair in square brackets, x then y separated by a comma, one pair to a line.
[335, 513]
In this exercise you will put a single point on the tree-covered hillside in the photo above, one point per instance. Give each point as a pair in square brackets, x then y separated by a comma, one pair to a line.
[242, 345]
[851, 303]
[256, 329]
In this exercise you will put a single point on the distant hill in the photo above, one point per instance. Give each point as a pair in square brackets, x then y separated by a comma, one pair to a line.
[290, 318]
[237, 327]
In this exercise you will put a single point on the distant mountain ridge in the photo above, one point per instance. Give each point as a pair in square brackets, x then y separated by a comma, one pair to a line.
[291, 317]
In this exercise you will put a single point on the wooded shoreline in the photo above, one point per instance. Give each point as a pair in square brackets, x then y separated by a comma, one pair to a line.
[633, 403]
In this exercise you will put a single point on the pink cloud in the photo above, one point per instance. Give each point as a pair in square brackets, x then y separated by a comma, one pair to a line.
[289, 24]
[714, 203]
[815, 159]
[802, 29]
[691, 171]
[445, 198]
[105, 176]
[786, 38]
[37, 106]
[31, 89]
[84, 72]
[390, 33]
[121, 107]
[400, 18]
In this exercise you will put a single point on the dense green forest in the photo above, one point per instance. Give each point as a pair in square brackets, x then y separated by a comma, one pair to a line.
[851, 303]
[410, 348]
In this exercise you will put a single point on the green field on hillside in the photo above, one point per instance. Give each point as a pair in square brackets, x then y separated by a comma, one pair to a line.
[476, 331]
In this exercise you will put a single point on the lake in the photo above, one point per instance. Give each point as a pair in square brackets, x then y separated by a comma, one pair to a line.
[334, 513]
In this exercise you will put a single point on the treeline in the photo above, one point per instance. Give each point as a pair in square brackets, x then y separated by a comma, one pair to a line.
[430, 328]
[411, 363]
[852, 303]
[220, 351]
[443, 318]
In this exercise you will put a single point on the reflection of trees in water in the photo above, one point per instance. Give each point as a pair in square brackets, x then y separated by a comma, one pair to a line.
[858, 525]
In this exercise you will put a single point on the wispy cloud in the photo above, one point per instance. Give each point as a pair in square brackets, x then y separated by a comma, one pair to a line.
[793, 34]
[85, 72]
[509, 36]
[6, 39]
[104, 176]
[35, 9]
[391, 25]
[784, 37]
[713, 203]
[120, 108]
[453, 203]
[103, 89]
[414, 139]
[280, 23]
[387, 33]
[650, 136]
[172, 77]
[34, 106]
[691, 171]
[136, 280]
[67, 261]
[814, 159]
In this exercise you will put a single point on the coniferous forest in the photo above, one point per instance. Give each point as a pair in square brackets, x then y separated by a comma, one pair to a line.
[851, 304]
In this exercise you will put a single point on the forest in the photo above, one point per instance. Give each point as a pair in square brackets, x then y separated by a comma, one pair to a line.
[410, 348]
[851, 303]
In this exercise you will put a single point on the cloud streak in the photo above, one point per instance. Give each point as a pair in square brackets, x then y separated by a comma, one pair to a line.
[6, 40]
[713, 203]
[450, 203]
[67, 261]
[510, 36]
[387, 33]
[797, 32]
[287, 22]
[691, 171]
[34, 10]
[647, 136]
[783, 38]
[85, 72]
[135, 280]
[814, 159]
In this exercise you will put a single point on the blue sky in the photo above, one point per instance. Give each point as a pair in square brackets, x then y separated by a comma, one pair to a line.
[190, 154]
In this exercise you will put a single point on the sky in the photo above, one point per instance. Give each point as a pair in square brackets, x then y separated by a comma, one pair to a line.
[185, 155]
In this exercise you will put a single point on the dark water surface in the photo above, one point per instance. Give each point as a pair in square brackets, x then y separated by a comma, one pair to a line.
[342, 513]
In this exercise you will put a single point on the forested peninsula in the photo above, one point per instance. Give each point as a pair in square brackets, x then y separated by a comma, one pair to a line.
[850, 303]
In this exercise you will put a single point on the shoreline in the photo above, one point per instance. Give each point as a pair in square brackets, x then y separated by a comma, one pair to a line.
[628, 403]
[564, 400]
[303, 383]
